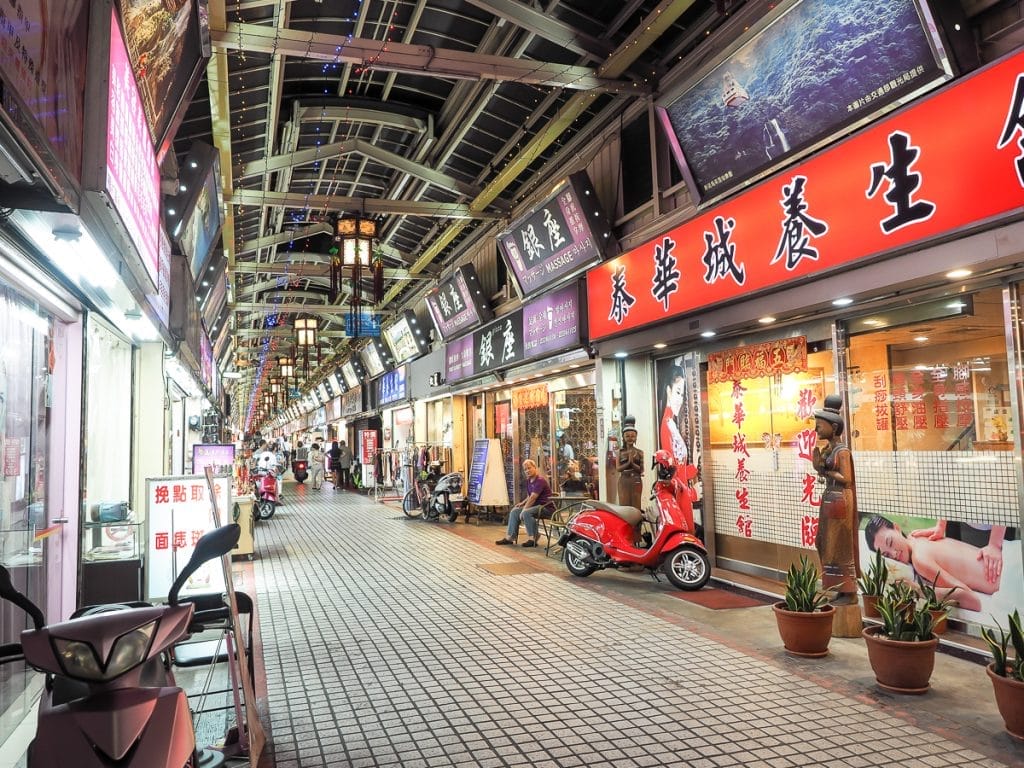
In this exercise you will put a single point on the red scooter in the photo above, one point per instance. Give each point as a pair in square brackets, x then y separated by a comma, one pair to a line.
[609, 536]
[264, 489]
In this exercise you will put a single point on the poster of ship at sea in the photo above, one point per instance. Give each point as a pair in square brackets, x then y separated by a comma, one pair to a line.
[815, 69]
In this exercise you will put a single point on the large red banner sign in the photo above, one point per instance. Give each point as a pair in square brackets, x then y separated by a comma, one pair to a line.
[952, 161]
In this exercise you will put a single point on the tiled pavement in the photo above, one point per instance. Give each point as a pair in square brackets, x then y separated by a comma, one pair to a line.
[387, 644]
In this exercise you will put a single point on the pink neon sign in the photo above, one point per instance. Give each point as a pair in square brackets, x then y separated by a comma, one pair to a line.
[133, 178]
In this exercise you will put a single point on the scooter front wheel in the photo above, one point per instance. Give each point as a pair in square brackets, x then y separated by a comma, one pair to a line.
[265, 509]
[411, 504]
[452, 511]
[687, 568]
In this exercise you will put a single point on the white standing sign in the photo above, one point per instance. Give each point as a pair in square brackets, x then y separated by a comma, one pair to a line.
[179, 513]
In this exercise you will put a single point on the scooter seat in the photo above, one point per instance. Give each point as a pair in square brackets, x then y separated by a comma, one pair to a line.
[631, 515]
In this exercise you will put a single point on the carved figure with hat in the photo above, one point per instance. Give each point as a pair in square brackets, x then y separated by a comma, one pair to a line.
[630, 466]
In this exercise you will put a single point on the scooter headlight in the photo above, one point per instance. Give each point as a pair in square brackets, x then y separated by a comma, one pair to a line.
[79, 659]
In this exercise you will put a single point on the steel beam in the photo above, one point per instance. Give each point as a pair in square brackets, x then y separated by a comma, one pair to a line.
[415, 59]
[383, 156]
[547, 27]
[337, 203]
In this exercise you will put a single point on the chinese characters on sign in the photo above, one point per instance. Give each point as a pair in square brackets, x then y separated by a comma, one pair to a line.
[896, 183]
[499, 344]
[772, 358]
[391, 386]
[744, 521]
[806, 439]
[455, 305]
[558, 238]
[133, 178]
[180, 511]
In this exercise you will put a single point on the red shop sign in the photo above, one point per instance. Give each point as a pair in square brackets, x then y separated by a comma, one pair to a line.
[951, 161]
[757, 360]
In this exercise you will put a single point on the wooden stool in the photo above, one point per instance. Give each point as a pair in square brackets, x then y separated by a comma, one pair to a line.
[847, 621]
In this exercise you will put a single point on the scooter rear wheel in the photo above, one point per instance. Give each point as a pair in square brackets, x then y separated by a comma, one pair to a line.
[687, 568]
[265, 509]
[411, 504]
[576, 566]
[452, 511]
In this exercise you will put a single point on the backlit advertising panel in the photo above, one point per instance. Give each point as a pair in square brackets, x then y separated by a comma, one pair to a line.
[373, 358]
[900, 182]
[786, 90]
[561, 236]
[458, 359]
[457, 304]
[43, 66]
[349, 373]
[200, 231]
[391, 386]
[551, 322]
[405, 338]
[132, 175]
[166, 44]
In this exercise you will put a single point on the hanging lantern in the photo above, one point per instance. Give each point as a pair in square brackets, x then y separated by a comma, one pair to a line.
[354, 237]
[287, 372]
[305, 339]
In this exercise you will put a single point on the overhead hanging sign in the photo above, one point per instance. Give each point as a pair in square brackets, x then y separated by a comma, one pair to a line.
[405, 337]
[901, 182]
[391, 386]
[376, 357]
[499, 344]
[771, 101]
[560, 237]
[458, 304]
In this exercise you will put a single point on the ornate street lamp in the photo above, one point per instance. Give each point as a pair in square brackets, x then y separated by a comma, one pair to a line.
[305, 338]
[354, 237]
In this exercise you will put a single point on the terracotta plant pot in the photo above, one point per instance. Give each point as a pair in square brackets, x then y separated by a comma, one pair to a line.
[939, 617]
[1010, 701]
[803, 633]
[900, 666]
[871, 606]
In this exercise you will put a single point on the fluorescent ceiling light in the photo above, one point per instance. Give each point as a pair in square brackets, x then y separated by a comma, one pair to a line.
[708, 334]
[956, 274]
[843, 302]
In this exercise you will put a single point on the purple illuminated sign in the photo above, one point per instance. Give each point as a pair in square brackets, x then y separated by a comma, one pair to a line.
[560, 237]
[552, 322]
[457, 305]
[220, 457]
[458, 359]
[132, 178]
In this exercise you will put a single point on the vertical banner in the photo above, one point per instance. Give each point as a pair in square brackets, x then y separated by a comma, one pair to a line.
[179, 513]
[368, 448]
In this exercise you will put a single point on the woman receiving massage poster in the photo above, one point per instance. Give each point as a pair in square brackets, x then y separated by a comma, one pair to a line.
[982, 562]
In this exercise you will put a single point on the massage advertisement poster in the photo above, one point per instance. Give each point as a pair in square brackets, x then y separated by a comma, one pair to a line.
[982, 562]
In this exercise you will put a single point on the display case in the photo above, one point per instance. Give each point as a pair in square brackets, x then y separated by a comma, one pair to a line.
[111, 561]
[18, 547]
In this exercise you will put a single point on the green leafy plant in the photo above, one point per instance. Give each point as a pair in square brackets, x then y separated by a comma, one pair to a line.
[934, 602]
[873, 582]
[905, 616]
[1005, 666]
[802, 592]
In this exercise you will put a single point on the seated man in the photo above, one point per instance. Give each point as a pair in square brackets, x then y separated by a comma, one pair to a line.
[537, 504]
[954, 562]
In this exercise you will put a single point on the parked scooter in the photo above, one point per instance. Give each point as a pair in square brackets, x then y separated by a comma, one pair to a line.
[300, 470]
[445, 499]
[609, 536]
[264, 491]
[110, 697]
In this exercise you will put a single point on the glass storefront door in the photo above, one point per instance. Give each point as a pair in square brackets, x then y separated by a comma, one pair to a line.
[30, 548]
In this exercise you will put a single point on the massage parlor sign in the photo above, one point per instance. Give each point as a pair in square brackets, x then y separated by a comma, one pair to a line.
[900, 182]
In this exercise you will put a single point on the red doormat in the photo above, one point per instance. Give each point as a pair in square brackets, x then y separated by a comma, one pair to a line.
[717, 599]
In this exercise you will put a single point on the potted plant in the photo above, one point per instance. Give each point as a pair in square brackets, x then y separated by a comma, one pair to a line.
[1007, 674]
[939, 607]
[902, 649]
[872, 584]
[804, 617]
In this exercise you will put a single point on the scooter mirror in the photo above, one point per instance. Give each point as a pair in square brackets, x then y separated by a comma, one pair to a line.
[9, 593]
[216, 543]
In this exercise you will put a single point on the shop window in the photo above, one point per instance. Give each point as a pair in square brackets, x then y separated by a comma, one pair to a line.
[761, 432]
[933, 435]
[26, 362]
[576, 437]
